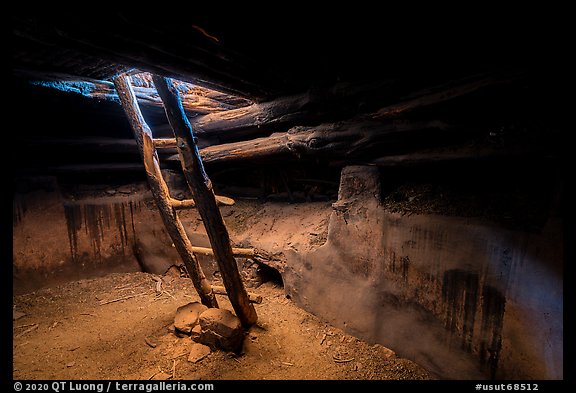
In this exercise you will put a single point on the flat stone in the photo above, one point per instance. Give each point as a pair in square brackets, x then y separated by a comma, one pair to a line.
[198, 352]
[221, 329]
[386, 352]
[187, 316]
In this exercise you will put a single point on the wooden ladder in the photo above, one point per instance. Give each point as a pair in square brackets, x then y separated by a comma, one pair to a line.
[204, 198]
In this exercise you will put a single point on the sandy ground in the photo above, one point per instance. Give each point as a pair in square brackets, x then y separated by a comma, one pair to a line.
[120, 327]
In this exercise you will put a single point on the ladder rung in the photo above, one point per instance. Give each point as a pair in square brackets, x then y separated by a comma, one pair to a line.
[251, 296]
[164, 143]
[224, 201]
[190, 204]
[183, 204]
[238, 252]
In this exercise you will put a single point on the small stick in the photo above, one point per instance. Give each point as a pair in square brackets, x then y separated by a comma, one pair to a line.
[35, 326]
[338, 360]
[169, 294]
[158, 284]
[287, 364]
[120, 299]
[23, 326]
[150, 343]
[323, 338]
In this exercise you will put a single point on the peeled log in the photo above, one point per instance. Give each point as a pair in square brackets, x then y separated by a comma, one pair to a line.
[342, 99]
[313, 107]
[276, 144]
[146, 96]
[336, 140]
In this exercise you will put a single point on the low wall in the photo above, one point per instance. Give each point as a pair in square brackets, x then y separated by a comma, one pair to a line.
[461, 298]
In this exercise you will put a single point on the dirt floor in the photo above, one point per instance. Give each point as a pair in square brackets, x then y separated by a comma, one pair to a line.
[120, 327]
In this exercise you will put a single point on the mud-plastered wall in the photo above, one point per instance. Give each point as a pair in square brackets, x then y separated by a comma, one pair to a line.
[465, 299]
[57, 237]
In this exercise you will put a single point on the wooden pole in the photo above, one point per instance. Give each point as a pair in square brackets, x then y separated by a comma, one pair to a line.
[190, 204]
[238, 252]
[143, 137]
[201, 188]
[252, 296]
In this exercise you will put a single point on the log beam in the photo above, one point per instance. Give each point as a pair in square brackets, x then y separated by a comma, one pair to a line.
[312, 107]
[147, 97]
[201, 188]
[335, 140]
[440, 95]
[160, 191]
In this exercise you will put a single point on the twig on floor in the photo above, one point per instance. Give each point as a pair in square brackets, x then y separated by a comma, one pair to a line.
[150, 343]
[120, 299]
[23, 326]
[30, 329]
[339, 360]
[169, 294]
[153, 375]
[158, 284]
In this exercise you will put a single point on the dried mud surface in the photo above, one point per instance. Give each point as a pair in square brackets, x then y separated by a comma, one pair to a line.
[120, 327]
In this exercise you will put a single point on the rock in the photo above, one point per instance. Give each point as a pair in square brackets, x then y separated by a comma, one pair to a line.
[386, 352]
[195, 333]
[187, 316]
[198, 352]
[221, 329]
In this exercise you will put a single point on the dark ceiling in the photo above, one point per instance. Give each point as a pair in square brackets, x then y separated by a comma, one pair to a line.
[266, 55]
[286, 50]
